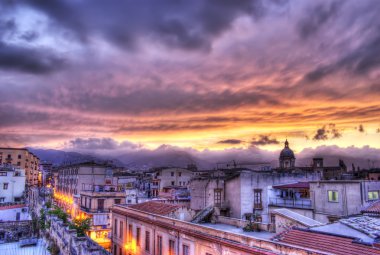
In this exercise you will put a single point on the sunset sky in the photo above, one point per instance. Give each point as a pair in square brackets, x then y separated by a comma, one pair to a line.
[198, 74]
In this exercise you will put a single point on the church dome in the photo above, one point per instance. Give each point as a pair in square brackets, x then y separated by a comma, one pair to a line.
[287, 152]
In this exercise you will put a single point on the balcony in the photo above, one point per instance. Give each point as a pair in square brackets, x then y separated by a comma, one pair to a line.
[89, 210]
[302, 203]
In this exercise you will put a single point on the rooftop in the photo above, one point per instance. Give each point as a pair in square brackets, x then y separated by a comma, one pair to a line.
[364, 224]
[344, 230]
[306, 221]
[236, 230]
[374, 208]
[296, 185]
[330, 243]
[155, 208]
[15, 249]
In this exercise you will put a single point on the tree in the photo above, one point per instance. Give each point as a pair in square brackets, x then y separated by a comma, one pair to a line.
[81, 226]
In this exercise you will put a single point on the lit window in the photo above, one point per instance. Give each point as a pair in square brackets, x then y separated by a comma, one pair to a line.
[373, 195]
[333, 196]
[171, 247]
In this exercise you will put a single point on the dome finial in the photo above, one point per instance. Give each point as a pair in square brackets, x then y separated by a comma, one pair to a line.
[286, 143]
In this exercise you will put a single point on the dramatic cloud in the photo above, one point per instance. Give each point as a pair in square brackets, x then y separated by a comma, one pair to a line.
[231, 141]
[327, 132]
[264, 140]
[94, 144]
[188, 73]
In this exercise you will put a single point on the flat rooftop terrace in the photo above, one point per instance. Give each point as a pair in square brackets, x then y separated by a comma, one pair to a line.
[236, 230]
[15, 249]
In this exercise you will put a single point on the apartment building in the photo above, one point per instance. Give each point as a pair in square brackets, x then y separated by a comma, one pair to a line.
[12, 184]
[22, 158]
[154, 228]
[76, 178]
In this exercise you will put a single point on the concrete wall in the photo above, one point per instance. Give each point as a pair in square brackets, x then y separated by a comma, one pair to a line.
[11, 214]
[202, 192]
[181, 177]
[15, 185]
[241, 192]
[283, 223]
[352, 197]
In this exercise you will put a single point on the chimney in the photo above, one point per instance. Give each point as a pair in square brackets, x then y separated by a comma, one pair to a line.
[317, 162]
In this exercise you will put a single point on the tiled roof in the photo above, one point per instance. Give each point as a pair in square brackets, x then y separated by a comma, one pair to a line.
[297, 185]
[155, 208]
[306, 221]
[373, 208]
[7, 207]
[332, 244]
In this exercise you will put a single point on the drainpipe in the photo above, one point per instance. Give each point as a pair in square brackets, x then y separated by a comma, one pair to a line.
[177, 242]
[154, 240]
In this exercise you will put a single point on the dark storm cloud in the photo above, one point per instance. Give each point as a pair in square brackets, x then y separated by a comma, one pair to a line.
[22, 57]
[231, 141]
[151, 101]
[327, 132]
[365, 55]
[29, 60]
[264, 140]
[317, 16]
[182, 24]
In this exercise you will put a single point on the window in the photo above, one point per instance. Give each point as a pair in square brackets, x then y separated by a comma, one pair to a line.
[130, 230]
[147, 241]
[19, 156]
[17, 216]
[172, 174]
[100, 204]
[257, 203]
[180, 174]
[18, 163]
[173, 183]
[117, 201]
[373, 195]
[121, 230]
[217, 197]
[333, 196]
[5, 185]
[185, 250]
[115, 227]
[171, 247]
[159, 245]
[138, 240]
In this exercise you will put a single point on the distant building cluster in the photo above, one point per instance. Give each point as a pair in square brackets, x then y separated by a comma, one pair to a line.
[232, 209]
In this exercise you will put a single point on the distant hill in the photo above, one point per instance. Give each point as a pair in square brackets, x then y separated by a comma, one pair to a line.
[58, 157]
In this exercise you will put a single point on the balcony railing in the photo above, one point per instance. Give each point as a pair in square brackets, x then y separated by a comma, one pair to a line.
[88, 210]
[290, 202]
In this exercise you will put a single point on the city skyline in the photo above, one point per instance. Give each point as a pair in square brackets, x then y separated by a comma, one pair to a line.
[202, 75]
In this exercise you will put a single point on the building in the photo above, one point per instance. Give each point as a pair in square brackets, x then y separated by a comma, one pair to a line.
[241, 192]
[336, 199]
[22, 158]
[154, 228]
[96, 206]
[169, 176]
[46, 170]
[14, 212]
[87, 176]
[12, 184]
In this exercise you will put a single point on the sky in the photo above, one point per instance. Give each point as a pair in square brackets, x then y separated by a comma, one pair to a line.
[204, 75]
